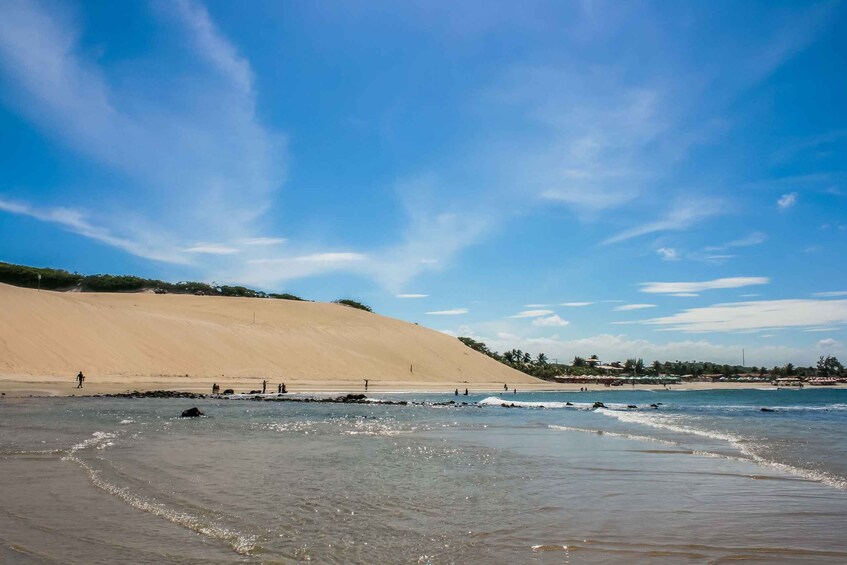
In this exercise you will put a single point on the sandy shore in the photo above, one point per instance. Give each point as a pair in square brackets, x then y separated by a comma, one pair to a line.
[13, 387]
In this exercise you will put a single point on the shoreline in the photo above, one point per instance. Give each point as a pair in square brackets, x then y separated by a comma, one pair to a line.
[11, 387]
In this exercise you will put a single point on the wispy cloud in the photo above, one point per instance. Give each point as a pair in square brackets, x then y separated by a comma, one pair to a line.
[262, 241]
[411, 296]
[211, 249]
[628, 307]
[694, 287]
[550, 321]
[453, 312]
[205, 140]
[668, 253]
[77, 222]
[681, 217]
[576, 304]
[536, 305]
[343, 257]
[786, 201]
[532, 313]
[830, 294]
[759, 315]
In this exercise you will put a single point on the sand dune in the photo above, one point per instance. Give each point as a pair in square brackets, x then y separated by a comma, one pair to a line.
[132, 339]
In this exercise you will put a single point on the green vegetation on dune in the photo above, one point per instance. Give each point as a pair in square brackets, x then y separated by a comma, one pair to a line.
[57, 279]
[353, 304]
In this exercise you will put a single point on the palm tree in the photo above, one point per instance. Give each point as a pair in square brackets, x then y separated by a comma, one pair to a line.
[542, 359]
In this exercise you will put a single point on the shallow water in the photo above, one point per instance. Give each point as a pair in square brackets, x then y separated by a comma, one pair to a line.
[705, 478]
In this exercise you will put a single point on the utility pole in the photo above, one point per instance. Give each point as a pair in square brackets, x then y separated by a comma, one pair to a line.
[743, 359]
[39, 282]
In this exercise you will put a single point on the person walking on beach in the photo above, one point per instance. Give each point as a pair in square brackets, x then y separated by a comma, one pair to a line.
[79, 379]
[264, 386]
[466, 392]
[505, 387]
[216, 388]
[279, 388]
[456, 393]
[366, 384]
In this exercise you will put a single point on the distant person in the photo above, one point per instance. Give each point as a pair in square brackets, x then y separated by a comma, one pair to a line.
[466, 392]
[216, 388]
[366, 384]
[515, 390]
[79, 380]
[505, 387]
[279, 388]
[283, 391]
[264, 386]
[456, 393]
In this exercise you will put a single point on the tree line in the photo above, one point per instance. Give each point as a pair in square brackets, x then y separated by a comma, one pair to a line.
[540, 366]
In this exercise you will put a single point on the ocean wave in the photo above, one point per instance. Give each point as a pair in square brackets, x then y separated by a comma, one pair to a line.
[612, 434]
[745, 446]
[497, 401]
[240, 543]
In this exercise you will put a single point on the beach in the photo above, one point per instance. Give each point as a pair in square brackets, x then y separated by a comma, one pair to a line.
[705, 477]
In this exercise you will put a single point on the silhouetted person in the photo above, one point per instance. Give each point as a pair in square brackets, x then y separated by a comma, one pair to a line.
[456, 393]
[366, 384]
[216, 388]
[283, 391]
[279, 388]
[515, 390]
[79, 379]
[264, 386]
[466, 392]
[505, 387]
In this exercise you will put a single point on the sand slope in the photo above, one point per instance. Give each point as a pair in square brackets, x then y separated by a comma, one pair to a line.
[131, 338]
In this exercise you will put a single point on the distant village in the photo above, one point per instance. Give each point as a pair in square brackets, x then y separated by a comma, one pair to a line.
[592, 370]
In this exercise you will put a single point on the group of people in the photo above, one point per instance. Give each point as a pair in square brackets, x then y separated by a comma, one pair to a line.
[280, 388]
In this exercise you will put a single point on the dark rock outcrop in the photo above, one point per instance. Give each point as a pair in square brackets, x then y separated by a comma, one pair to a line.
[191, 413]
[599, 405]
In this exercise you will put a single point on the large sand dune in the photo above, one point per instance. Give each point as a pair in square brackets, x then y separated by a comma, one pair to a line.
[139, 340]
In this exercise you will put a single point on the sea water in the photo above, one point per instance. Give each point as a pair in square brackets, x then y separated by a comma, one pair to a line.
[700, 477]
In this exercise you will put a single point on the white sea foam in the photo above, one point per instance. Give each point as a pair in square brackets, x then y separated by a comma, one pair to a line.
[612, 434]
[744, 446]
[242, 544]
[496, 401]
[127, 421]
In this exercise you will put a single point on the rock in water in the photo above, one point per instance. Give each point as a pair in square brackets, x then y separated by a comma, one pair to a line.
[599, 405]
[768, 410]
[191, 413]
[229, 391]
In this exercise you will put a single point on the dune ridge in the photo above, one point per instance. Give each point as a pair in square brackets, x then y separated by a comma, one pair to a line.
[138, 337]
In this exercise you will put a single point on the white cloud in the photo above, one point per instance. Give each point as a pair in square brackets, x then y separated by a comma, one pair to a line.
[681, 217]
[827, 343]
[786, 201]
[628, 307]
[211, 249]
[411, 296]
[684, 294]
[691, 287]
[550, 321]
[196, 157]
[535, 305]
[831, 294]
[765, 314]
[262, 241]
[77, 222]
[332, 257]
[453, 312]
[532, 314]
[668, 253]
[576, 304]
[754, 238]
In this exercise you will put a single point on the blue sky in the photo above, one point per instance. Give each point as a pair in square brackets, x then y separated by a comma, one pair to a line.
[628, 179]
